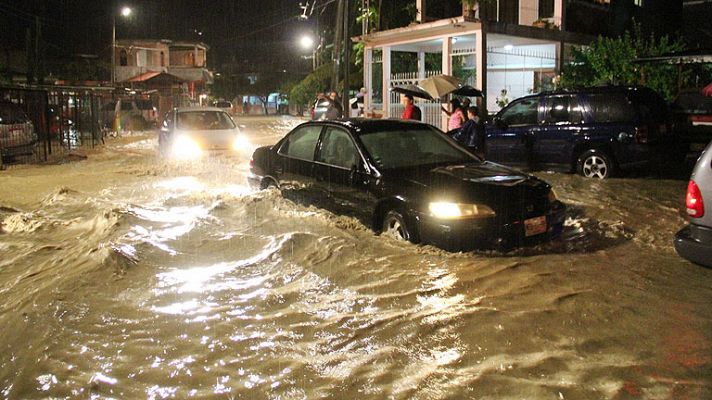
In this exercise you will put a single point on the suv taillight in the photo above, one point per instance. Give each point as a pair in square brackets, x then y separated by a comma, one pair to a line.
[641, 134]
[693, 201]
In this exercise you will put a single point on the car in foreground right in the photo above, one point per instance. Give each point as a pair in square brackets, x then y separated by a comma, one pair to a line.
[694, 241]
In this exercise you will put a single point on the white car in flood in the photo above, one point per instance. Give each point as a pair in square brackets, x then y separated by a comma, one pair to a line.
[190, 133]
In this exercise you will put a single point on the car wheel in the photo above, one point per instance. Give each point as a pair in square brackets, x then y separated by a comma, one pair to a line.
[269, 184]
[396, 227]
[595, 164]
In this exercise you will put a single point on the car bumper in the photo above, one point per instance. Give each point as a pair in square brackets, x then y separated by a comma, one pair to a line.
[254, 181]
[487, 233]
[694, 243]
[17, 150]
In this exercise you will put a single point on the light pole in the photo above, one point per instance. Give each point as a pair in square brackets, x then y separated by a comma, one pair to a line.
[306, 42]
[125, 12]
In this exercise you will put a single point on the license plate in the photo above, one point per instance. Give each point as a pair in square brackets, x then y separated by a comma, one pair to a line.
[534, 226]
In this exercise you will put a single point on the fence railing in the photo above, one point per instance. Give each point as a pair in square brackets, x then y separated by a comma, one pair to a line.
[47, 121]
[429, 109]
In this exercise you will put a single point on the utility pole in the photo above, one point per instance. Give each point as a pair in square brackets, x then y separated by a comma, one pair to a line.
[337, 45]
[347, 60]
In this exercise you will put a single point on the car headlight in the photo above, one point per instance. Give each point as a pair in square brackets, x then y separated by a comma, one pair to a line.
[240, 143]
[447, 210]
[186, 148]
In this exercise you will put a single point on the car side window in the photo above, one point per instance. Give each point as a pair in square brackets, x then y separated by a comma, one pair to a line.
[611, 107]
[523, 112]
[301, 143]
[338, 149]
[563, 110]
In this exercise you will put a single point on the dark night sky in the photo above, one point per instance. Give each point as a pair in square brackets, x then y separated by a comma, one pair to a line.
[247, 31]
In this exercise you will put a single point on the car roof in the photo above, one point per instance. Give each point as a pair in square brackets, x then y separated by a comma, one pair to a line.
[593, 89]
[368, 125]
[189, 109]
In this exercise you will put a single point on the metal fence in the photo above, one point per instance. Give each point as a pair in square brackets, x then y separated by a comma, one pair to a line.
[41, 123]
[429, 109]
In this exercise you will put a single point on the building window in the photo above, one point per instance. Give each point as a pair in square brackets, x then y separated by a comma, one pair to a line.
[509, 11]
[123, 58]
[546, 8]
[638, 3]
[163, 59]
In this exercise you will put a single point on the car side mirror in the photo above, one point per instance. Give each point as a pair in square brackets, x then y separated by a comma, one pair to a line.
[357, 174]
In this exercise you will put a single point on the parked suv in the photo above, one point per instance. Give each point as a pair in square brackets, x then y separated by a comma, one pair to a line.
[17, 134]
[694, 242]
[138, 114]
[692, 117]
[593, 131]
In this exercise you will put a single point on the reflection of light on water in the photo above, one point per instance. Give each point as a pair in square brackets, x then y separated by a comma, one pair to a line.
[444, 357]
[183, 217]
[160, 392]
[184, 183]
[194, 280]
[46, 381]
[99, 377]
[178, 308]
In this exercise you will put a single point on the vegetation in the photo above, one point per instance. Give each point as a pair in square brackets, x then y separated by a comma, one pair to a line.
[305, 91]
[610, 61]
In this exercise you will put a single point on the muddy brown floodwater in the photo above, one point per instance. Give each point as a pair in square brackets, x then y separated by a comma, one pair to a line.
[126, 276]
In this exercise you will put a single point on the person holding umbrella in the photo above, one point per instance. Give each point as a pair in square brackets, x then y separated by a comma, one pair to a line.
[457, 117]
[411, 111]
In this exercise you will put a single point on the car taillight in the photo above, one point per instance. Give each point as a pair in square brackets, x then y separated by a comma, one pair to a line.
[693, 201]
[641, 134]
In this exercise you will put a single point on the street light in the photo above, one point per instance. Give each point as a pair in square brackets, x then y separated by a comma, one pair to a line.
[306, 42]
[125, 12]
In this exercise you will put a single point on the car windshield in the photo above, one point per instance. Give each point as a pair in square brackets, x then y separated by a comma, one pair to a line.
[204, 120]
[408, 148]
[223, 104]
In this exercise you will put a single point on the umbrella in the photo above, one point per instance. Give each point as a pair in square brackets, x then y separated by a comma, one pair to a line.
[467, 90]
[440, 85]
[413, 90]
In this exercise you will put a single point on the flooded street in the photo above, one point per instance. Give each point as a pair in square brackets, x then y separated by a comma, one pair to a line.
[128, 276]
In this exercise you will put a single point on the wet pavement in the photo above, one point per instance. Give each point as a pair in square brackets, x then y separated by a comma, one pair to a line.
[129, 276]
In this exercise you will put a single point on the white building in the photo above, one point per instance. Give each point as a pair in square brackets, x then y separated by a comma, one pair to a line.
[512, 45]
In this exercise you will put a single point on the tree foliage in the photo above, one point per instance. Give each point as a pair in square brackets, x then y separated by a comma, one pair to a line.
[316, 82]
[610, 61]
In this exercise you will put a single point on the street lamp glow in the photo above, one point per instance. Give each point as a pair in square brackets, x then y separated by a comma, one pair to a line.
[306, 42]
[125, 11]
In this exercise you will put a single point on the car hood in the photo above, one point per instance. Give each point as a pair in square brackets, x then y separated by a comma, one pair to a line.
[212, 138]
[480, 182]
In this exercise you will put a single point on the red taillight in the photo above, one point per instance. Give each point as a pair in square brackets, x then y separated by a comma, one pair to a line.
[693, 201]
[641, 134]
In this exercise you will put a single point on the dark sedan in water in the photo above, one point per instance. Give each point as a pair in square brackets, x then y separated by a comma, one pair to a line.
[410, 181]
